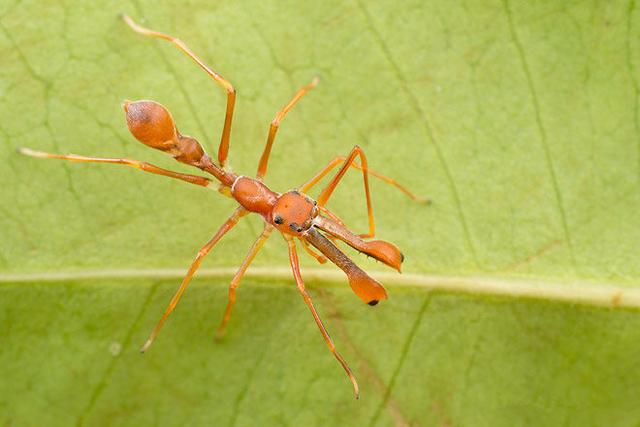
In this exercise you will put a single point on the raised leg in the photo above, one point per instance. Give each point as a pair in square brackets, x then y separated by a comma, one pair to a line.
[275, 125]
[223, 149]
[257, 245]
[346, 163]
[328, 190]
[340, 159]
[229, 223]
[295, 267]
[143, 166]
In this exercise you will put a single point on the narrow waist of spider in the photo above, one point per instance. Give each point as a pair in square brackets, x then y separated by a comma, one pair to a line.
[226, 178]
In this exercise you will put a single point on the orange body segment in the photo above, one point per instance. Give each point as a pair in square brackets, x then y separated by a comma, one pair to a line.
[385, 252]
[253, 195]
[293, 213]
[151, 123]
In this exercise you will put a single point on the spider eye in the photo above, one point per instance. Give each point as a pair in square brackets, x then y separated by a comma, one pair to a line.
[278, 219]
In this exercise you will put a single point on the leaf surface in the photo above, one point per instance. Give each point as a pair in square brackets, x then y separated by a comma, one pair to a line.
[519, 120]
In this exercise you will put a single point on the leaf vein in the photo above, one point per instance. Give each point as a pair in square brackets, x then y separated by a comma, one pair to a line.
[634, 80]
[592, 293]
[541, 130]
[47, 87]
[178, 80]
[98, 390]
[415, 106]
[403, 356]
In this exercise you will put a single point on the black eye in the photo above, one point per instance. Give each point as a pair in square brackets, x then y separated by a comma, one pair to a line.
[278, 219]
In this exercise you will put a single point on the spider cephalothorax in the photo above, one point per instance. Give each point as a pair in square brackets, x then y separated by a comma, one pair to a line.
[294, 213]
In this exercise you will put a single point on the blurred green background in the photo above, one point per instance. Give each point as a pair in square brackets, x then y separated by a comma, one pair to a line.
[519, 119]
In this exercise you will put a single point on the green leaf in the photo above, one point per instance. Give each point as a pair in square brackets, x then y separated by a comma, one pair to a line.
[520, 120]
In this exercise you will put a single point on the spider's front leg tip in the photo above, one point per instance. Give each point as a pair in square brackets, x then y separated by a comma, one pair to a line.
[356, 390]
[31, 153]
[218, 337]
[424, 200]
[315, 81]
[130, 22]
[352, 378]
[146, 346]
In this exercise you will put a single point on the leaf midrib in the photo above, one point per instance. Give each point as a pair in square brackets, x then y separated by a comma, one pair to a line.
[590, 293]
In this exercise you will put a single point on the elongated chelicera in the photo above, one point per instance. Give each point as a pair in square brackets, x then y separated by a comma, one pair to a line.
[294, 214]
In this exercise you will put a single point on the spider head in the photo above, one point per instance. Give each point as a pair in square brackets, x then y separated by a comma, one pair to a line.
[293, 213]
